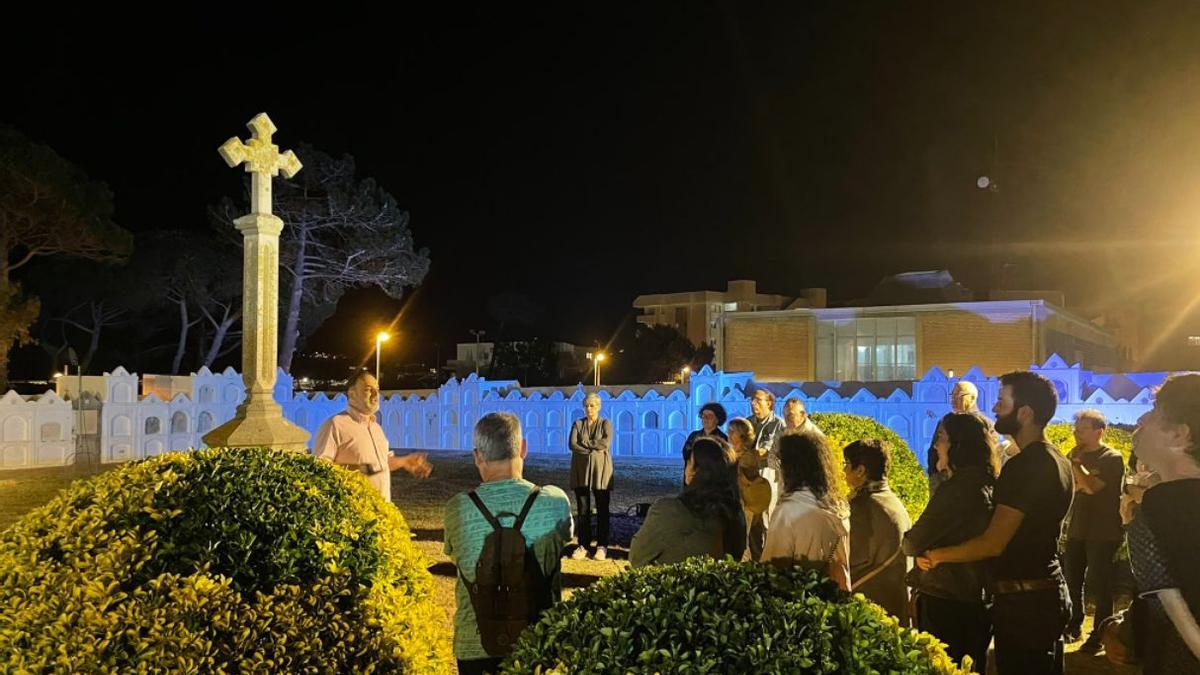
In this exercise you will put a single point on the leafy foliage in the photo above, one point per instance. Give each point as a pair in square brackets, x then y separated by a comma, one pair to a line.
[218, 560]
[707, 616]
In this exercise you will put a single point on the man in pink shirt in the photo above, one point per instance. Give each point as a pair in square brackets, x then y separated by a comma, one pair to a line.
[354, 439]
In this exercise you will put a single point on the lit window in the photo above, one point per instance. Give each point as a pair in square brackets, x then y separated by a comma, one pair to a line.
[1194, 340]
[867, 349]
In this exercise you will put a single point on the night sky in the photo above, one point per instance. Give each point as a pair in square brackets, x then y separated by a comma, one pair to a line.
[583, 158]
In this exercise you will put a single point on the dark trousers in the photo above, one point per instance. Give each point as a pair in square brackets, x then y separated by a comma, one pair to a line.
[1028, 628]
[479, 666]
[965, 627]
[583, 502]
[1093, 561]
[756, 528]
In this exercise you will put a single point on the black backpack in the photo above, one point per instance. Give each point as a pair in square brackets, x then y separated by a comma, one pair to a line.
[510, 591]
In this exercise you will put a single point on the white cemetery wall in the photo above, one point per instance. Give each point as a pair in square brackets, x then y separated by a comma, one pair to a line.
[647, 420]
[36, 432]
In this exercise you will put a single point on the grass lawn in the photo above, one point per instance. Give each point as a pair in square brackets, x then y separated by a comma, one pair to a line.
[421, 502]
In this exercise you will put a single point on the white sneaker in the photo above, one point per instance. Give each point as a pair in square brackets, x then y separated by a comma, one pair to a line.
[601, 553]
[579, 553]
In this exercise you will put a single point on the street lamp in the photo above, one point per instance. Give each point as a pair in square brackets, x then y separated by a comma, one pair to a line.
[596, 359]
[381, 338]
[478, 333]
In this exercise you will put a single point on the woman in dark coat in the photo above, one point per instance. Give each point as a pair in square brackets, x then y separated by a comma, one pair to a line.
[591, 475]
[951, 599]
[704, 520]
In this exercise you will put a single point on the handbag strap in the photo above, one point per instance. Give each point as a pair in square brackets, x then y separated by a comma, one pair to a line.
[871, 575]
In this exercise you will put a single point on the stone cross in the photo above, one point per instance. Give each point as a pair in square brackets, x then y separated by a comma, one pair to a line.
[262, 159]
[259, 420]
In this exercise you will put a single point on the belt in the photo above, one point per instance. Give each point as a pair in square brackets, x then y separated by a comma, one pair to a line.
[1024, 585]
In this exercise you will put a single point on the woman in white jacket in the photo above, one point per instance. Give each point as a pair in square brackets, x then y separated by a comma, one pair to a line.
[811, 524]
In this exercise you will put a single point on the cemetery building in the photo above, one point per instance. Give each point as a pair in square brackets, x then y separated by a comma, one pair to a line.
[909, 324]
[699, 315]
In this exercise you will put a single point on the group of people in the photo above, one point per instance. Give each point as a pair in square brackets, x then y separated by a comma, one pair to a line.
[980, 566]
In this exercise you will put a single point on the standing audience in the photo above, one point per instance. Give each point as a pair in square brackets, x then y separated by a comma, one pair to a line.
[811, 525]
[755, 490]
[1094, 531]
[1031, 607]
[1164, 548]
[950, 600]
[705, 519]
[878, 521]
[712, 418]
[591, 476]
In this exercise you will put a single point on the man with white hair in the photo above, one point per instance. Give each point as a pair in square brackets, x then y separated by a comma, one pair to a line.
[795, 421]
[354, 439]
[964, 398]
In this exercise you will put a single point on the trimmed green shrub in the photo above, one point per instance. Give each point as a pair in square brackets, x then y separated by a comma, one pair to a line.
[707, 616]
[905, 475]
[218, 560]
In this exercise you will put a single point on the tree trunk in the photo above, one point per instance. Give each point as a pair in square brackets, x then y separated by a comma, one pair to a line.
[214, 348]
[94, 343]
[201, 345]
[183, 335]
[5, 306]
[291, 329]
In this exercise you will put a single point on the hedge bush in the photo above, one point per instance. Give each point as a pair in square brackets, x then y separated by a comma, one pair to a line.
[219, 560]
[905, 475]
[707, 616]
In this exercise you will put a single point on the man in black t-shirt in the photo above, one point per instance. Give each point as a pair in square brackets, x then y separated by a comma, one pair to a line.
[1031, 606]
[1094, 530]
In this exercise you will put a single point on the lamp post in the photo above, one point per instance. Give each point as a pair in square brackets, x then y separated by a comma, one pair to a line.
[478, 334]
[596, 360]
[381, 338]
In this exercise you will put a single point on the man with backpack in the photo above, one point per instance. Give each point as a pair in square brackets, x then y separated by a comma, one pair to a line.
[506, 537]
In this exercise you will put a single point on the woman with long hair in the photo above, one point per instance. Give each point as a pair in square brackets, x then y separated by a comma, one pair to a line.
[705, 519]
[950, 599]
[811, 524]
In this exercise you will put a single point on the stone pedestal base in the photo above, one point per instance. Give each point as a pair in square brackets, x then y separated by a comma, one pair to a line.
[258, 426]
